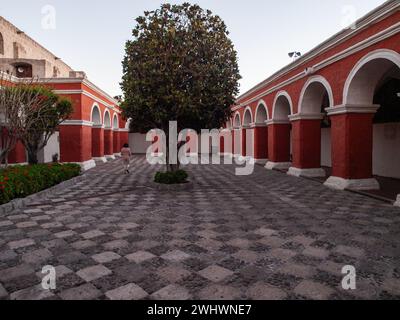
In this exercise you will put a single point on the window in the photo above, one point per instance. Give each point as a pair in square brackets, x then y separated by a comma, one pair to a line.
[23, 70]
[1, 44]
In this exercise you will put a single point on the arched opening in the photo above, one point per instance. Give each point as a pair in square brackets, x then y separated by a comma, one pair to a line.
[107, 120]
[312, 127]
[375, 83]
[108, 136]
[247, 134]
[236, 135]
[1, 44]
[115, 122]
[279, 133]
[96, 115]
[261, 133]
[116, 138]
[97, 134]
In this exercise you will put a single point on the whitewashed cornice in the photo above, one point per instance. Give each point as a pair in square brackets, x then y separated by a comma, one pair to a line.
[299, 116]
[374, 16]
[258, 125]
[82, 123]
[344, 109]
[271, 122]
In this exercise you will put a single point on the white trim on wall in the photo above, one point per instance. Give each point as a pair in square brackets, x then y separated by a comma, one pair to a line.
[374, 16]
[320, 79]
[387, 33]
[82, 123]
[247, 111]
[282, 93]
[386, 54]
[261, 103]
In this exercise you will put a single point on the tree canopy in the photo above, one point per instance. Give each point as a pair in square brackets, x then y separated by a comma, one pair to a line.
[181, 66]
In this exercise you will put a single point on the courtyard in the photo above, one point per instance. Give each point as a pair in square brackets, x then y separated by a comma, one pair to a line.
[263, 236]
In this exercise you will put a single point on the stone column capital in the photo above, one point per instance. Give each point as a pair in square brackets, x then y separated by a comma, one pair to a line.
[352, 108]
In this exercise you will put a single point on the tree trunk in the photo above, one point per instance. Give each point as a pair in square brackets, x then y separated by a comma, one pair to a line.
[32, 154]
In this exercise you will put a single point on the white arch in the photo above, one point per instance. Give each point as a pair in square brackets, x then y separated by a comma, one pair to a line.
[115, 121]
[92, 119]
[107, 119]
[261, 104]
[365, 86]
[310, 81]
[128, 123]
[236, 124]
[246, 112]
[289, 99]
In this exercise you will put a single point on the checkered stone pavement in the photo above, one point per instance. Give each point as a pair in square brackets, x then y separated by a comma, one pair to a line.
[264, 236]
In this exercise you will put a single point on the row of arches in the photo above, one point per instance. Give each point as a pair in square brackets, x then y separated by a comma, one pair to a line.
[105, 136]
[98, 119]
[350, 142]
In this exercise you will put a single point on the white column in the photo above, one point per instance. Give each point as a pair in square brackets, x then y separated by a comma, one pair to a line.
[397, 203]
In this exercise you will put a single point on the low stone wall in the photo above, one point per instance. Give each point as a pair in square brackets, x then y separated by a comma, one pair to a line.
[21, 203]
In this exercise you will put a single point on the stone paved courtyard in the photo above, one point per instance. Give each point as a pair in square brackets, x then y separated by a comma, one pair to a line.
[264, 236]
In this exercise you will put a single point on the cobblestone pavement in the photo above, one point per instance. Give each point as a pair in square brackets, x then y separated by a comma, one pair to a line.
[264, 236]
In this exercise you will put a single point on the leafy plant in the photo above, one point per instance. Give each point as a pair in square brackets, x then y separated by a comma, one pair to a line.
[22, 181]
[171, 177]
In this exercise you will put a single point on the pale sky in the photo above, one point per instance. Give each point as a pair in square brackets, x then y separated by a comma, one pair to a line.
[90, 35]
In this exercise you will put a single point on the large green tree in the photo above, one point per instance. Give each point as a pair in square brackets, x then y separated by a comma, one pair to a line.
[180, 66]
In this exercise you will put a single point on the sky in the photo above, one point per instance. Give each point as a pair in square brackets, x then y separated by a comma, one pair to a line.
[90, 35]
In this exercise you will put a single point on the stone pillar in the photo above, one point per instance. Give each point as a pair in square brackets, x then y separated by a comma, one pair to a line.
[98, 143]
[278, 145]
[18, 154]
[116, 142]
[352, 140]
[243, 141]
[306, 130]
[260, 142]
[109, 144]
[76, 143]
[124, 138]
[237, 142]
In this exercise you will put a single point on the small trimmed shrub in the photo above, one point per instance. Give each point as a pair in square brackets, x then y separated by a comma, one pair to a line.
[175, 177]
[22, 181]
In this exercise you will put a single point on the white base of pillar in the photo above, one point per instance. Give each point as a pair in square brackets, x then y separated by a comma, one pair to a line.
[277, 165]
[361, 184]
[225, 154]
[117, 155]
[100, 159]
[18, 164]
[397, 203]
[87, 165]
[307, 173]
[261, 161]
[110, 157]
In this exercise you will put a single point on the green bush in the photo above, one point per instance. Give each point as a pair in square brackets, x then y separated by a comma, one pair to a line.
[22, 181]
[175, 177]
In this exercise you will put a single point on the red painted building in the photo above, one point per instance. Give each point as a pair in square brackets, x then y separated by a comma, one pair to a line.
[334, 110]
[95, 131]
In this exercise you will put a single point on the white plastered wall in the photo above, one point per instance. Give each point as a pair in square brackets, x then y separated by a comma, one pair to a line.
[386, 150]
